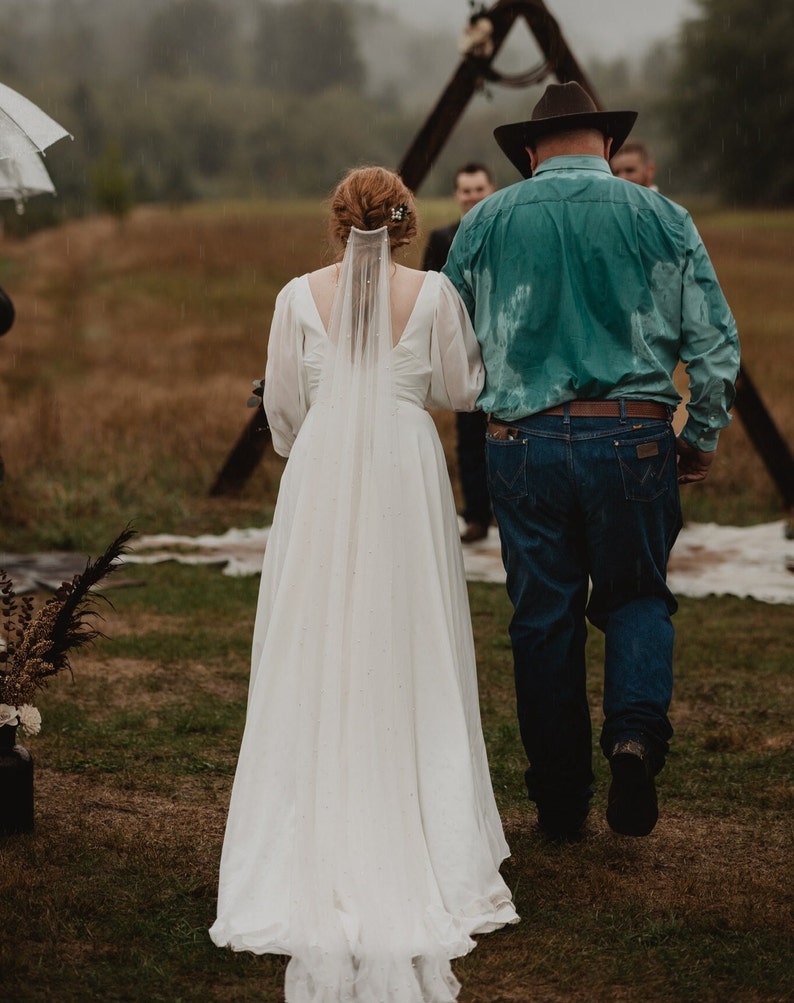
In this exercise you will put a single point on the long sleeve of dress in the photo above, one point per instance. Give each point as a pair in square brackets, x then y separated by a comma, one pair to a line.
[286, 395]
[458, 372]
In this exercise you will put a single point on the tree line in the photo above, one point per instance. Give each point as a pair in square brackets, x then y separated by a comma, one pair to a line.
[171, 100]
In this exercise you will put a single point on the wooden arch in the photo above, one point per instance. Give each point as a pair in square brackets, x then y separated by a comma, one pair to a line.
[487, 30]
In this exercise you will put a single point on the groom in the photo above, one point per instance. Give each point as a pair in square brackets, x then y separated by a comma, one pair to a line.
[585, 292]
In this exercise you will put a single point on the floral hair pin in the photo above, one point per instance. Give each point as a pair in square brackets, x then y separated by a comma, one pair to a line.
[398, 213]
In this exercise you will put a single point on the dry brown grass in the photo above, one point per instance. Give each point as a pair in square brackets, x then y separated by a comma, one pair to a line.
[132, 357]
[754, 259]
[123, 383]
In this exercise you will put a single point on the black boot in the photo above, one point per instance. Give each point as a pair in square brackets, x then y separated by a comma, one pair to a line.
[632, 808]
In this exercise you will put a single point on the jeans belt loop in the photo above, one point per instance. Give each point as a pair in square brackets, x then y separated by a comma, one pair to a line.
[566, 420]
[622, 405]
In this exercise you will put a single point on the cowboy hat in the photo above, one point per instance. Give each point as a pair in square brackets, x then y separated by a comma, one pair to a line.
[562, 107]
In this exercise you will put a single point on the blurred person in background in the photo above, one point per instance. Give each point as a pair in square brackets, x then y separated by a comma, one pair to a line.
[473, 182]
[634, 162]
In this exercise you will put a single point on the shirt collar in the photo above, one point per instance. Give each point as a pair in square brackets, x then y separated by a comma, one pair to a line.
[574, 163]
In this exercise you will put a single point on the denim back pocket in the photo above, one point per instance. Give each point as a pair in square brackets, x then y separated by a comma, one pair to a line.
[507, 467]
[647, 464]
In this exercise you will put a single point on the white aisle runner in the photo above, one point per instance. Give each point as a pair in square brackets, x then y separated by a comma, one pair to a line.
[753, 562]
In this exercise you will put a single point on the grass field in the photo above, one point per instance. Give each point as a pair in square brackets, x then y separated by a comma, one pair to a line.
[123, 384]
[122, 388]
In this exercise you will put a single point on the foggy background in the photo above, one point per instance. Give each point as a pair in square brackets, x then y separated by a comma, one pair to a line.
[176, 100]
[606, 29]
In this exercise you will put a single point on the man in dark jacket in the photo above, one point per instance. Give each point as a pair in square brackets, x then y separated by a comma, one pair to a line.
[473, 182]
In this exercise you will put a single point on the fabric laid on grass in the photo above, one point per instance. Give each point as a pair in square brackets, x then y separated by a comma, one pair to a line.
[46, 572]
[751, 562]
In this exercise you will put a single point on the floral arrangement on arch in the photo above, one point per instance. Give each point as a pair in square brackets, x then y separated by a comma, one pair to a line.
[36, 646]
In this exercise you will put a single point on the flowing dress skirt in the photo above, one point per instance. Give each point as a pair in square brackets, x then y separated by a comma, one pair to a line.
[363, 838]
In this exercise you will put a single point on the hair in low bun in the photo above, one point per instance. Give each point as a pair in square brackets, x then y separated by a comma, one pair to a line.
[369, 198]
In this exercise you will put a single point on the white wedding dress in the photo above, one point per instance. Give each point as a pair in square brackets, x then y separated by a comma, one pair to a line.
[363, 838]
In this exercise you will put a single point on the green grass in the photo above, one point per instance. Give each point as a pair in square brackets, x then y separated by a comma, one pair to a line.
[112, 895]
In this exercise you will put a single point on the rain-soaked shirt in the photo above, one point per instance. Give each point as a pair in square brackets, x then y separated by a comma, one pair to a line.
[583, 286]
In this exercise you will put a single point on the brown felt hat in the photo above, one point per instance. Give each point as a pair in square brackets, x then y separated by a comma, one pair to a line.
[561, 108]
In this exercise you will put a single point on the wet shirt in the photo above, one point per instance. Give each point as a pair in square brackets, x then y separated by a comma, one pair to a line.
[583, 286]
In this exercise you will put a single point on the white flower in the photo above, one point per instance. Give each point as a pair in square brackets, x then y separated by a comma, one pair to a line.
[29, 719]
[8, 714]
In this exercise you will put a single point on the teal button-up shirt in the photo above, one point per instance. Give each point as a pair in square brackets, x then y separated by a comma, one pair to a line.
[583, 286]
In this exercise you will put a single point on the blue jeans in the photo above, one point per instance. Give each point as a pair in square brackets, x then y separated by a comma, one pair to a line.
[581, 498]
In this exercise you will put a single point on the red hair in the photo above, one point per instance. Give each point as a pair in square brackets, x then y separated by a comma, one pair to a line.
[371, 197]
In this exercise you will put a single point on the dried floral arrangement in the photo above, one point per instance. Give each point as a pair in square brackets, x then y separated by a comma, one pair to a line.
[37, 646]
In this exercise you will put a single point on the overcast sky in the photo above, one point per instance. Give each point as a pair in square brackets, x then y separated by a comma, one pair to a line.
[604, 28]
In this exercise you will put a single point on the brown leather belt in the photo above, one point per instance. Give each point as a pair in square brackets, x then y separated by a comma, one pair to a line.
[611, 409]
[498, 429]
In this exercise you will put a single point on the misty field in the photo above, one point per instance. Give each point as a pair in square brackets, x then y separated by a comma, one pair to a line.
[122, 390]
[123, 384]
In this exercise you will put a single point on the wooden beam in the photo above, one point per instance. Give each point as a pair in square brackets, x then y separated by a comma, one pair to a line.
[765, 437]
[244, 457]
[470, 75]
[474, 70]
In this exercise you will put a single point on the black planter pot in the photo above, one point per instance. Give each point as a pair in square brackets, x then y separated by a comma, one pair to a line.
[16, 784]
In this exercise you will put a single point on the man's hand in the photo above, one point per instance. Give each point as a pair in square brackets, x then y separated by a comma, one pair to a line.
[693, 464]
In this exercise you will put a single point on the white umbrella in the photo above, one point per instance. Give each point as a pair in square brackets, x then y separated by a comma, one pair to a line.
[21, 177]
[24, 127]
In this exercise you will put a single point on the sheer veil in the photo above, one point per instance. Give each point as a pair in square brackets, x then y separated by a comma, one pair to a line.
[356, 383]
[348, 939]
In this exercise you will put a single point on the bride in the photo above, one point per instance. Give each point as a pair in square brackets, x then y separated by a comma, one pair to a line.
[363, 839]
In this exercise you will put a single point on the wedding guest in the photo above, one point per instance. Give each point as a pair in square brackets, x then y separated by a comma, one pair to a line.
[473, 183]
[634, 162]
